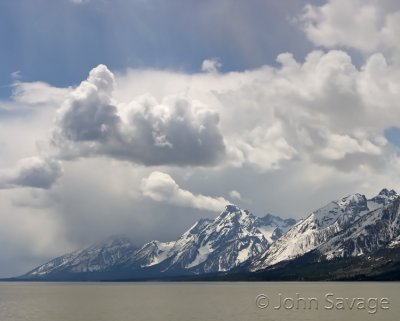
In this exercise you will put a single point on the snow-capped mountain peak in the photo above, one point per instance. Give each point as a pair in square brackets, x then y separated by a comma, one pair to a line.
[232, 238]
[320, 226]
[375, 230]
[384, 197]
[342, 211]
[96, 258]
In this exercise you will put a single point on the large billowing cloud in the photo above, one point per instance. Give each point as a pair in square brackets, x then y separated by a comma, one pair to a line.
[176, 130]
[161, 187]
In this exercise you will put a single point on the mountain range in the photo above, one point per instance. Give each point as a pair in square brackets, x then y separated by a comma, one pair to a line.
[350, 238]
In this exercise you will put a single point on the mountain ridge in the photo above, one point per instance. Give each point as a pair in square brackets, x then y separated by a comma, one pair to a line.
[236, 241]
[209, 246]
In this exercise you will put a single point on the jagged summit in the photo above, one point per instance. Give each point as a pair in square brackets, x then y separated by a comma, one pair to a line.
[385, 196]
[231, 208]
[387, 192]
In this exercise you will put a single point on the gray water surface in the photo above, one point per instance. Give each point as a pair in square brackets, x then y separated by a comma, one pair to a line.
[166, 301]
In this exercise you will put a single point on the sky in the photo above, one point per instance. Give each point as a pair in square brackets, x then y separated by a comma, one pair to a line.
[140, 117]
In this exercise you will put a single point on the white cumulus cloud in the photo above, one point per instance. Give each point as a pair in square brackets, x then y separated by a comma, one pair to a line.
[161, 187]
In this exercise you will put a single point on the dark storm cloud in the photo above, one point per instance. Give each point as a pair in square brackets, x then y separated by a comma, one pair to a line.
[31, 172]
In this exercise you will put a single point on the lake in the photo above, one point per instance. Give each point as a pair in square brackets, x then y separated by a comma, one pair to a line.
[176, 301]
